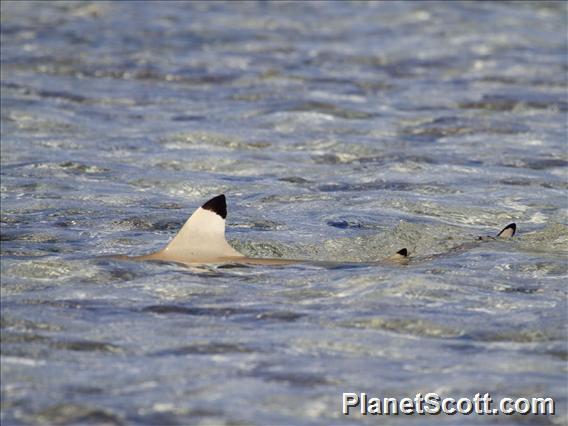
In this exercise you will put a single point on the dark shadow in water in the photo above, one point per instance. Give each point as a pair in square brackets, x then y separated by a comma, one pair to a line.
[512, 101]
[198, 311]
[294, 378]
[86, 346]
[225, 312]
[206, 349]
[74, 414]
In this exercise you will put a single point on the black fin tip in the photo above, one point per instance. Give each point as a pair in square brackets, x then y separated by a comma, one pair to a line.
[511, 226]
[217, 205]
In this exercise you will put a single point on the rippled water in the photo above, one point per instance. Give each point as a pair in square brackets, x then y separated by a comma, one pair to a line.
[338, 131]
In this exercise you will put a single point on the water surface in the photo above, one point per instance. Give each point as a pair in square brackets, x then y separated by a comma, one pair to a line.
[339, 131]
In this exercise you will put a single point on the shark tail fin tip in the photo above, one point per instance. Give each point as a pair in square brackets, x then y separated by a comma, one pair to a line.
[400, 257]
[508, 231]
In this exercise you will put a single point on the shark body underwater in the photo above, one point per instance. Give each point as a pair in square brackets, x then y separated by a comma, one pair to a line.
[201, 241]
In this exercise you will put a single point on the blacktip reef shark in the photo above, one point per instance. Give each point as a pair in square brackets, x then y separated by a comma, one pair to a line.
[201, 241]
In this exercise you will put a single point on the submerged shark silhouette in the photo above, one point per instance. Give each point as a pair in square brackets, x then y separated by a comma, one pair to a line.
[201, 241]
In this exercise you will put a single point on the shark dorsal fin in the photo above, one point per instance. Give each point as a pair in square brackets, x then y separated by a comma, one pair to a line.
[202, 237]
[508, 231]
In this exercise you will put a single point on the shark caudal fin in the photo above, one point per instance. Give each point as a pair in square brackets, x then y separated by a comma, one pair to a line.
[202, 237]
[508, 231]
[400, 256]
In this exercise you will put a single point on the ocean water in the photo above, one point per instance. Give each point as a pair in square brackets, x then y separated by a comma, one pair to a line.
[338, 131]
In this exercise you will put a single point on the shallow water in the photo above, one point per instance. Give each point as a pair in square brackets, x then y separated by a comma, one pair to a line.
[339, 131]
